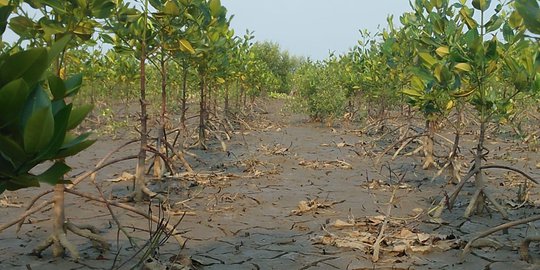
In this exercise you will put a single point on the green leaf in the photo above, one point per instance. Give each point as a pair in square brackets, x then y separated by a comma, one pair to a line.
[12, 99]
[73, 84]
[530, 12]
[21, 25]
[61, 119]
[12, 151]
[418, 84]
[215, 8]
[30, 65]
[57, 87]
[481, 5]
[58, 47]
[171, 8]
[22, 181]
[54, 174]
[494, 23]
[38, 130]
[412, 93]
[186, 46]
[442, 51]
[466, 16]
[491, 50]
[5, 12]
[515, 20]
[508, 32]
[57, 5]
[463, 67]
[428, 59]
[78, 115]
[75, 146]
[102, 9]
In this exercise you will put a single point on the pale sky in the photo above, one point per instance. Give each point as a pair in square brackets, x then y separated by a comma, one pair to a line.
[312, 28]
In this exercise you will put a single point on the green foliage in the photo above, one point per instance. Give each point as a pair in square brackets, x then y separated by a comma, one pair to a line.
[279, 63]
[530, 12]
[35, 124]
[318, 91]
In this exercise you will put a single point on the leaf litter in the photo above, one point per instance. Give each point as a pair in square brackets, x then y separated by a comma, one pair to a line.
[399, 239]
[331, 164]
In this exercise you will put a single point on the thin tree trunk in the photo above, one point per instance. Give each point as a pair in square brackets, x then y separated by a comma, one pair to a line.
[140, 181]
[158, 162]
[429, 161]
[184, 97]
[226, 102]
[202, 111]
[59, 208]
[479, 182]
[59, 229]
[238, 96]
[244, 98]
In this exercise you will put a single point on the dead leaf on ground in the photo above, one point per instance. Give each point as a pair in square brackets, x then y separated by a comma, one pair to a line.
[307, 206]
[125, 176]
[343, 224]
[331, 164]
[4, 203]
[400, 238]
[276, 149]
[376, 184]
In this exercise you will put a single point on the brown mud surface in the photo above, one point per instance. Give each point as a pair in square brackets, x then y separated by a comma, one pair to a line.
[290, 194]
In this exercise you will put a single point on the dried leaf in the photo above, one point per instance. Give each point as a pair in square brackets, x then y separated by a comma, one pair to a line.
[407, 234]
[423, 237]
[342, 224]
[124, 177]
[349, 242]
[376, 220]
[421, 249]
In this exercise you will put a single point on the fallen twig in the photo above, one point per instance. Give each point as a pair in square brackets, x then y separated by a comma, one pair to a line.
[504, 226]
[380, 237]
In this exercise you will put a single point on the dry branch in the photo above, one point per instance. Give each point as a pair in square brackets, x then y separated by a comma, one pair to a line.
[130, 208]
[505, 226]
[380, 237]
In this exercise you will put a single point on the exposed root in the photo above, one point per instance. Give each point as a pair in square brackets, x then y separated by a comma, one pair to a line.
[380, 237]
[130, 208]
[148, 194]
[524, 248]
[89, 232]
[404, 142]
[501, 227]
[59, 244]
[180, 156]
[448, 202]
[511, 169]
[223, 144]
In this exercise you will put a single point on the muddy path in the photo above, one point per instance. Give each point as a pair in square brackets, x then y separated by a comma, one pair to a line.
[288, 194]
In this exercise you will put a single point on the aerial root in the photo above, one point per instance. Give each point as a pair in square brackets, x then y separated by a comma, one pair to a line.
[478, 203]
[449, 201]
[60, 243]
[171, 229]
[89, 232]
[149, 194]
[524, 248]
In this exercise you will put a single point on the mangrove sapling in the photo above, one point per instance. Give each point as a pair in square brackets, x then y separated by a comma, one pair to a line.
[137, 36]
[169, 42]
[488, 57]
